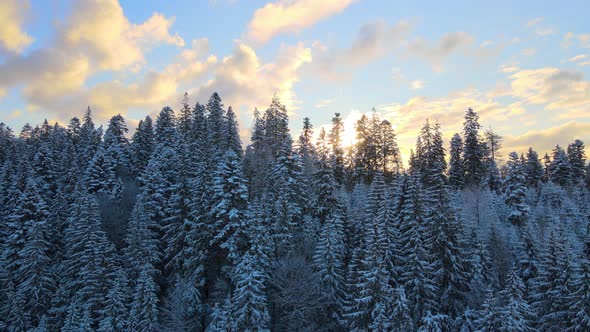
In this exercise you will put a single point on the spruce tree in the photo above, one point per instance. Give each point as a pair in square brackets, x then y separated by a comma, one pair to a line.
[581, 307]
[517, 314]
[577, 160]
[514, 190]
[560, 170]
[473, 151]
[533, 168]
[142, 145]
[229, 205]
[144, 308]
[249, 300]
[335, 139]
[456, 172]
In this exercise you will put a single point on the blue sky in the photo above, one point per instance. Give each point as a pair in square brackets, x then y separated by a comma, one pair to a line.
[523, 66]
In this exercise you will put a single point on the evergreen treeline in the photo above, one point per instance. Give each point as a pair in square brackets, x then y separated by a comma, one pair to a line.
[179, 229]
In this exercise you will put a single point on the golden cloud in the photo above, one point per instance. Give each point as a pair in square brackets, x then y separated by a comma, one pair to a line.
[12, 37]
[284, 16]
[100, 29]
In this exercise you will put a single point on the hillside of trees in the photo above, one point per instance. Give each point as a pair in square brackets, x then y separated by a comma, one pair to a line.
[178, 228]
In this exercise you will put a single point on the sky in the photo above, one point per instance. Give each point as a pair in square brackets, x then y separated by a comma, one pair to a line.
[523, 66]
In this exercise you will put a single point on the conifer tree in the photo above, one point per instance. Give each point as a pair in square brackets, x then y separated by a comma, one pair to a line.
[473, 151]
[517, 313]
[560, 170]
[329, 261]
[490, 316]
[456, 172]
[229, 206]
[144, 308]
[90, 138]
[249, 300]
[337, 153]
[581, 307]
[116, 314]
[29, 257]
[577, 160]
[533, 168]
[185, 119]
[233, 136]
[142, 145]
[493, 142]
[514, 190]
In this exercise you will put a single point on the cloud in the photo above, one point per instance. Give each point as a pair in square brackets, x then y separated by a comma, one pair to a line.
[324, 103]
[399, 77]
[100, 29]
[508, 67]
[545, 31]
[534, 22]
[570, 37]
[557, 89]
[544, 140]
[448, 44]
[542, 31]
[376, 38]
[151, 90]
[96, 37]
[372, 40]
[578, 57]
[417, 84]
[244, 81]
[290, 16]
[12, 37]
[528, 52]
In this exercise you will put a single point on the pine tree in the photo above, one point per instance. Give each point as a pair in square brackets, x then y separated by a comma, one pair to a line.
[560, 170]
[533, 169]
[514, 190]
[222, 319]
[233, 136]
[116, 314]
[551, 295]
[90, 138]
[285, 200]
[185, 119]
[142, 145]
[115, 143]
[390, 161]
[329, 261]
[249, 300]
[229, 205]
[434, 323]
[416, 273]
[101, 176]
[335, 139]
[144, 308]
[493, 142]
[216, 125]
[581, 307]
[29, 257]
[143, 243]
[517, 313]
[90, 263]
[306, 148]
[456, 172]
[577, 160]
[490, 317]
[166, 134]
[182, 309]
[473, 152]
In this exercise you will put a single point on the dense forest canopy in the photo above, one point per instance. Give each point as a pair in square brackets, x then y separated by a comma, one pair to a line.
[179, 229]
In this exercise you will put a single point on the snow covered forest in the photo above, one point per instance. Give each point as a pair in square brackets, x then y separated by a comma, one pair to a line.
[177, 228]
